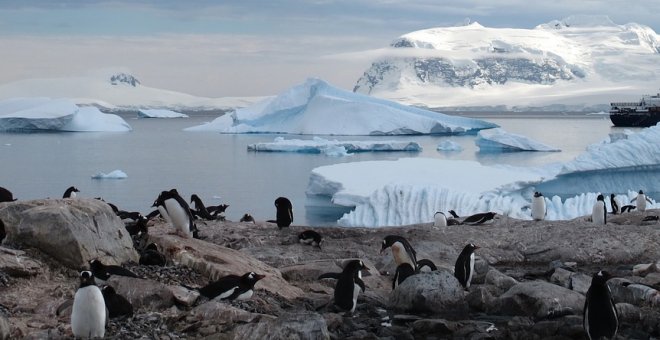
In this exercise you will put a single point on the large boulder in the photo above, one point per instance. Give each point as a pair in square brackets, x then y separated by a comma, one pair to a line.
[72, 231]
[303, 325]
[437, 292]
[538, 298]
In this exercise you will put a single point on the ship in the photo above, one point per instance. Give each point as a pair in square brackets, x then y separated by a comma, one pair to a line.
[644, 113]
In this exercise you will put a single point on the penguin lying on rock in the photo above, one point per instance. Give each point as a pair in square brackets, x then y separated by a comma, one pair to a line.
[103, 272]
[116, 304]
[348, 286]
[231, 287]
[479, 218]
[310, 237]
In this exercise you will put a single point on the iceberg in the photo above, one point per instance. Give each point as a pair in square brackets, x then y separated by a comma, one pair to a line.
[45, 114]
[448, 145]
[498, 140]
[321, 145]
[117, 174]
[160, 113]
[317, 108]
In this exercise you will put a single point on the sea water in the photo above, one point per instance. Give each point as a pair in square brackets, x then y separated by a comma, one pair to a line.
[158, 155]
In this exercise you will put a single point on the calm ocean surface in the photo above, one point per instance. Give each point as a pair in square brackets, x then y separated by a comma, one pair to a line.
[157, 155]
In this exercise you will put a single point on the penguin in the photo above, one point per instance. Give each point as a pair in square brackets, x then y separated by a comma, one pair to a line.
[6, 195]
[112, 206]
[479, 218]
[599, 211]
[215, 210]
[88, 314]
[310, 237]
[200, 209]
[402, 251]
[129, 215]
[176, 211]
[150, 256]
[453, 214]
[247, 218]
[640, 201]
[3, 233]
[403, 271]
[70, 192]
[626, 208]
[538, 207]
[348, 286]
[439, 219]
[232, 287]
[103, 272]
[600, 318]
[645, 219]
[139, 226]
[464, 268]
[116, 304]
[284, 209]
[615, 204]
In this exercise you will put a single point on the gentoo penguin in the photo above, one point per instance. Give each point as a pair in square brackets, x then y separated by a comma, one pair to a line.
[453, 214]
[439, 219]
[402, 251]
[116, 304]
[403, 271]
[139, 226]
[599, 211]
[88, 315]
[284, 209]
[103, 272]
[232, 287]
[70, 192]
[176, 211]
[3, 234]
[150, 256]
[479, 218]
[640, 201]
[310, 237]
[129, 215]
[200, 209]
[538, 207]
[348, 286]
[216, 210]
[614, 203]
[247, 218]
[464, 268]
[6, 195]
[600, 318]
[626, 208]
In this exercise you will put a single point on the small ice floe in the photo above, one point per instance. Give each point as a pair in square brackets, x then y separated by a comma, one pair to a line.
[117, 174]
[448, 145]
[499, 140]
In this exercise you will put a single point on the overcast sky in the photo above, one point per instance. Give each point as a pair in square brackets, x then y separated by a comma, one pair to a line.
[247, 47]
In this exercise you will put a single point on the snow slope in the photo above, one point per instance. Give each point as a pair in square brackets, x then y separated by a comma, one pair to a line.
[317, 108]
[577, 63]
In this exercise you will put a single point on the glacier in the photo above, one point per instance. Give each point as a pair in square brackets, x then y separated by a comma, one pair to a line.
[160, 113]
[116, 174]
[45, 114]
[411, 190]
[498, 140]
[317, 108]
[333, 147]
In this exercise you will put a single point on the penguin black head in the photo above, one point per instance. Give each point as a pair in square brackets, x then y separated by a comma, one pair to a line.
[440, 212]
[601, 278]
[600, 198]
[247, 218]
[95, 265]
[470, 247]
[86, 279]
[354, 266]
[108, 290]
[453, 213]
[538, 194]
[151, 246]
[641, 192]
[390, 240]
[612, 196]
[251, 278]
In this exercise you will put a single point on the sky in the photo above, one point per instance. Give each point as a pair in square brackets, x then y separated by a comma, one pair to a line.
[246, 47]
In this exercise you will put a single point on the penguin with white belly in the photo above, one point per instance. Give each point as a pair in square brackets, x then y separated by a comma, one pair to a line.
[538, 207]
[88, 315]
[640, 201]
[599, 211]
[176, 212]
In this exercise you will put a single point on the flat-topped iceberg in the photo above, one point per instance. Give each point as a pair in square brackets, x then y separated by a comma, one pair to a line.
[160, 113]
[45, 114]
[116, 174]
[317, 108]
[321, 145]
[498, 140]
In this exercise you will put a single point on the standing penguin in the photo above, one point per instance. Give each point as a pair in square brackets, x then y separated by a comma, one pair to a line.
[439, 219]
[640, 201]
[349, 284]
[232, 287]
[599, 211]
[6, 195]
[284, 208]
[176, 211]
[464, 268]
[117, 305]
[538, 207]
[614, 203]
[600, 318]
[402, 251]
[200, 209]
[70, 192]
[88, 314]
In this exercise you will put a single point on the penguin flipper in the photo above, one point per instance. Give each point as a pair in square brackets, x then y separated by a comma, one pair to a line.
[426, 263]
[329, 276]
[360, 283]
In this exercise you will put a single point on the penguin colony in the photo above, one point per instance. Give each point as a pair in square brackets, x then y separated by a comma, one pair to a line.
[93, 304]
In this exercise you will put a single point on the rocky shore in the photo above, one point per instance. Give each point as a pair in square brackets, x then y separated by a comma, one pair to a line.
[530, 281]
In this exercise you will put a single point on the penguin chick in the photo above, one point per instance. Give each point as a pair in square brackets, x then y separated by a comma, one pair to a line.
[150, 256]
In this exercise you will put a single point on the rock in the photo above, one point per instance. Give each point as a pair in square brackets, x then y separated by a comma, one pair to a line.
[537, 298]
[498, 279]
[651, 279]
[624, 290]
[645, 269]
[574, 281]
[216, 261]
[72, 231]
[434, 326]
[481, 298]
[5, 328]
[15, 263]
[481, 268]
[225, 314]
[184, 296]
[437, 292]
[628, 313]
[143, 293]
[304, 325]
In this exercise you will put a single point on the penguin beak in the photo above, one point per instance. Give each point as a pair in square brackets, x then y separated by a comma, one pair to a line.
[259, 277]
[476, 247]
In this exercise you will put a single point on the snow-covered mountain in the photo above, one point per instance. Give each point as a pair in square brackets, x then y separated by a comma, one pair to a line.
[573, 63]
[118, 91]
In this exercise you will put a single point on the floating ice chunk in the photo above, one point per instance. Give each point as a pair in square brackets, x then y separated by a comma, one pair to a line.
[448, 145]
[498, 140]
[320, 145]
[117, 174]
[160, 113]
[90, 119]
